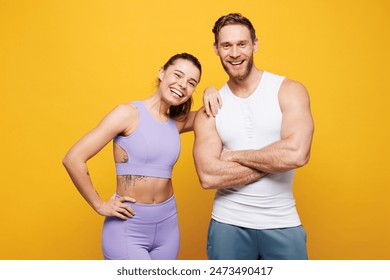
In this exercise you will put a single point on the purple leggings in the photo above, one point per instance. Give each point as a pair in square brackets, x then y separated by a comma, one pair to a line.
[152, 234]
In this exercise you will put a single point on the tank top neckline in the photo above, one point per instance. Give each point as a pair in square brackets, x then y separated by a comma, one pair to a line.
[254, 93]
[150, 115]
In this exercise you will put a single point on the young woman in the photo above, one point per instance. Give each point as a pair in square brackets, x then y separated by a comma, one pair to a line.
[141, 219]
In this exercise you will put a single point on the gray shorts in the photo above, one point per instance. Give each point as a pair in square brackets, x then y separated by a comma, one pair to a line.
[228, 242]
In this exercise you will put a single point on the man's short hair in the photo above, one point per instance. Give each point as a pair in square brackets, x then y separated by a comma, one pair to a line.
[230, 19]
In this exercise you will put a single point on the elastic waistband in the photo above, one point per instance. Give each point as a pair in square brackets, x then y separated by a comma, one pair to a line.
[152, 213]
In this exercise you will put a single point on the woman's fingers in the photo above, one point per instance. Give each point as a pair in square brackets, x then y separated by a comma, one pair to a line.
[124, 208]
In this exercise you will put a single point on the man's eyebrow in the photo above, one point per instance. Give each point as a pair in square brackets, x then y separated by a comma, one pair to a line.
[230, 42]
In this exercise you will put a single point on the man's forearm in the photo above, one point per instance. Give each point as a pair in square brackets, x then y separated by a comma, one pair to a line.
[275, 158]
[213, 172]
[223, 174]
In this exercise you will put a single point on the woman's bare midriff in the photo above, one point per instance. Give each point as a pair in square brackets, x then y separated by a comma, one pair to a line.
[146, 190]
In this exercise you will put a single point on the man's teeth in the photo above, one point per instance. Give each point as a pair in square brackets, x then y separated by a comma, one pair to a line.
[178, 93]
[236, 62]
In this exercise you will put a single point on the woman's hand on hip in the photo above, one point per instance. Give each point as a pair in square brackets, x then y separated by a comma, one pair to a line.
[117, 207]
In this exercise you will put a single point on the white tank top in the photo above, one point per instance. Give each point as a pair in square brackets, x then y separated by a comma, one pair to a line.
[253, 123]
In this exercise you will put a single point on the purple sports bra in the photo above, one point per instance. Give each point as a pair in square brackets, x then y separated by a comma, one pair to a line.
[152, 149]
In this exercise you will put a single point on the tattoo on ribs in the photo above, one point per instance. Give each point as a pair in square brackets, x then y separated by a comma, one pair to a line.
[129, 180]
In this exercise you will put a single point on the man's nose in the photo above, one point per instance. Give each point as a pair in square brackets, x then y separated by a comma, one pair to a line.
[234, 52]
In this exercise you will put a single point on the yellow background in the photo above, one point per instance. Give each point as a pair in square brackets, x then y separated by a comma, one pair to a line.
[65, 64]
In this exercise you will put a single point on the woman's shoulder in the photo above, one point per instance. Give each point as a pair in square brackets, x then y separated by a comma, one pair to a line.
[126, 109]
[123, 114]
[126, 116]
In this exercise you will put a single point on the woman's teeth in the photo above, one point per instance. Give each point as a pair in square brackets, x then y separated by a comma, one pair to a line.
[178, 93]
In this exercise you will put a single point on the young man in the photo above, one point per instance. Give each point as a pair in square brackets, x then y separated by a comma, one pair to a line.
[249, 152]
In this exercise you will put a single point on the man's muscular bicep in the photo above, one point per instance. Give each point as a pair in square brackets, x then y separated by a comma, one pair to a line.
[208, 145]
[213, 172]
[297, 125]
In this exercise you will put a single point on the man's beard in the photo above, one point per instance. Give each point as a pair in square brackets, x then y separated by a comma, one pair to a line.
[238, 76]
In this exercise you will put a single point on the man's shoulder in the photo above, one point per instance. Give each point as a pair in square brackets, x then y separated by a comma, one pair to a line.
[292, 90]
[292, 86]
[203, 124]
[202, 117]
[270, 76]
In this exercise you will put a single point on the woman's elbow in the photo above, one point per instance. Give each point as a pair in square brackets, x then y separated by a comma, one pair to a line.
[66, 162]
[69, 160]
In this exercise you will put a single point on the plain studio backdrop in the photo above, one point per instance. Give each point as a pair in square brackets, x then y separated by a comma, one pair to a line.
[65, 64]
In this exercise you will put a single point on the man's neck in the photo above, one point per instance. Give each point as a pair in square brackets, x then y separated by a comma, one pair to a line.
[244, 88]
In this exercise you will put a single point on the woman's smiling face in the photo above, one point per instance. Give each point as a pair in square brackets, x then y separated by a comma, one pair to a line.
[178, 81]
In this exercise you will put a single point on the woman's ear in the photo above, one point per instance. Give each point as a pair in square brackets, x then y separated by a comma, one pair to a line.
[161, 74]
